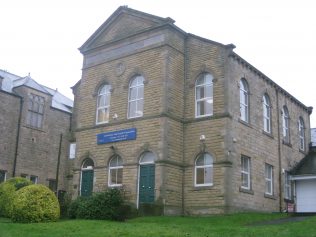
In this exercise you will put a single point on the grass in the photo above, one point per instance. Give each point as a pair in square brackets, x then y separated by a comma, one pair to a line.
[223, 225]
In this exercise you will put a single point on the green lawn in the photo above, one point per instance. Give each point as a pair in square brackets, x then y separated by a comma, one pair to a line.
[224, 225]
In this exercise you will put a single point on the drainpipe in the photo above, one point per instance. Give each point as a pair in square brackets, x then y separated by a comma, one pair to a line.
[58, 162]
[183, 122]
[279, 151]
[17, 139]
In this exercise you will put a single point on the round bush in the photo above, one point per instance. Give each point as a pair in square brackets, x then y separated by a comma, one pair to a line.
[7, 193]
[35, 203]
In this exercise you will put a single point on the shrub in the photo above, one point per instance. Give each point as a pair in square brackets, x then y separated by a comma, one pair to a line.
[107, 205]
[35, 203]
[64, 200]
[7, 193]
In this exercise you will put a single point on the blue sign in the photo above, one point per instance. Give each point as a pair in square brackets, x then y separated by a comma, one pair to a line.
[116, 136]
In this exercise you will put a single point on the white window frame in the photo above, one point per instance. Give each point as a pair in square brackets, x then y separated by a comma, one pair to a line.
[106, 106]
[287, 186]
[113, 169]
[301, 132]
[245, 171]
[266, 114]
[244, 104]
[268, 175]
[205, 99]
[5, 175]
[285, 125]
[210, 166]
[139, 96]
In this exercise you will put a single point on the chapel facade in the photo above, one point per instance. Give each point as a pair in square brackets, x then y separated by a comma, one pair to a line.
[181, 121]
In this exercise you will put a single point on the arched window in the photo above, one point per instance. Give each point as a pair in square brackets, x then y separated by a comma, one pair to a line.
[285, 124]
[103, 104]
[116, 171]
[204, 170]
[244, 100]
[266, 113]
[301, 132]
[87, 164]
[136, 97]
[204, 95]
[147, 158]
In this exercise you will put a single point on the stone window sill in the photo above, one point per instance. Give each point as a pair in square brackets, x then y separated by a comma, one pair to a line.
[269, 196]
[268, 134]
[244, 123]
[244, 190]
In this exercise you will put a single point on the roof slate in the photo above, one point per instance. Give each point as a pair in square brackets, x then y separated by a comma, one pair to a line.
[11, 81]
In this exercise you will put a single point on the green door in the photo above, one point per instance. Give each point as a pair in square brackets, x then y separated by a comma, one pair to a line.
[147, 184]
[86, 183]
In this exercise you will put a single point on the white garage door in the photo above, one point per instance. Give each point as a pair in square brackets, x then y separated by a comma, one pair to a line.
[306, 195]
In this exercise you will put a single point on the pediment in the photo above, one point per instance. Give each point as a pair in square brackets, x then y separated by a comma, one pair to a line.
[122, 23]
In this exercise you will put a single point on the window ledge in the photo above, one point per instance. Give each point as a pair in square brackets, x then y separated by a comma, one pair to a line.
[34, 128]
[271, 196]
[288, 200]
[267, 134]
[287, 143]
[244, 190]
[204, 187]
[244, 123]
[302, 151]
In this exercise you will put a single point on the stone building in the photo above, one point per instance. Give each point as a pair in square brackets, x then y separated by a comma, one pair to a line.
[182, 121]
[34, 127]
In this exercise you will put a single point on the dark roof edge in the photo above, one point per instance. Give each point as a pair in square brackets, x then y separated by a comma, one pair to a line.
[47, 93]
[11, 93]
[235, 56]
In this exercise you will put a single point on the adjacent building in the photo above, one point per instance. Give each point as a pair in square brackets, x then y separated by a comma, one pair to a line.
[35, 128]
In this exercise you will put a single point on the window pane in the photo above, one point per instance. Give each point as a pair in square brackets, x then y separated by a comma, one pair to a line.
[140, 94]
[199, 92]
[200, 161]
[209, 106]
[113, 176]
[200, 176]
[208, 175]
[244, 180]
[132, 109]
[133, 93]
[140, 105]
[148, 157]
[208, 91]
[133, 82]
[103, 115]
[200, 108]
[39, 120]
[119, 176]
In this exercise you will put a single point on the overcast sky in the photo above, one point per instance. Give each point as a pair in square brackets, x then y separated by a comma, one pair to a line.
[278, 37]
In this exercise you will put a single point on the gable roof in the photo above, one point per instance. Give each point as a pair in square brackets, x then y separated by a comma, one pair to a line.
[142, 21]
[11, 81]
